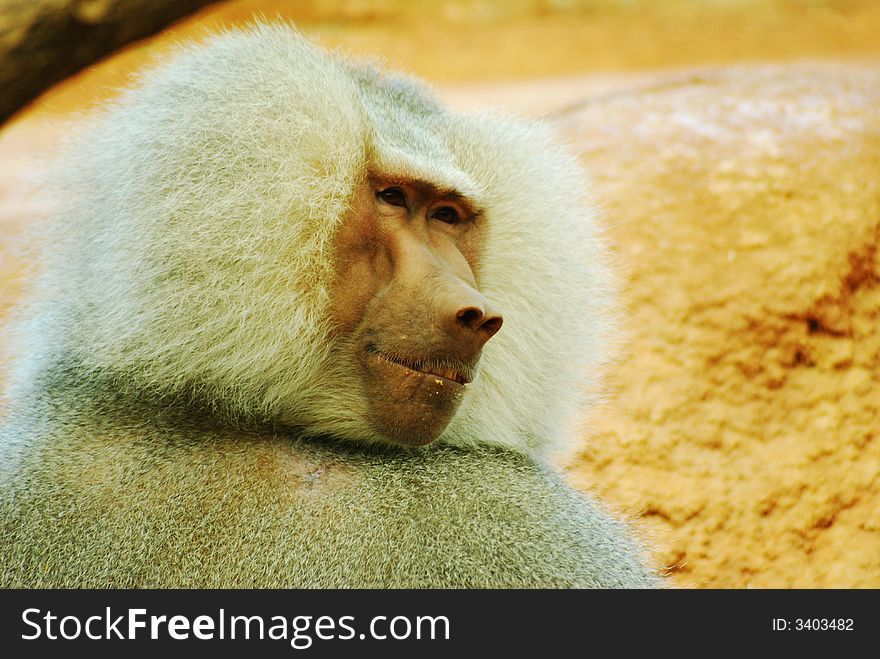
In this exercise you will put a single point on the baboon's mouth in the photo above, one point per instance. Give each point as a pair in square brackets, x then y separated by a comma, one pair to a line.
[453, 370]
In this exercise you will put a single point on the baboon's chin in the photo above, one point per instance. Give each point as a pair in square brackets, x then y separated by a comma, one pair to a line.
[407, 406]
[410, 432]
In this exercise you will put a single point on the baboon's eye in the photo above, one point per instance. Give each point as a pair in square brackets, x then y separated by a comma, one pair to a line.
[446, 214]
[393, 197]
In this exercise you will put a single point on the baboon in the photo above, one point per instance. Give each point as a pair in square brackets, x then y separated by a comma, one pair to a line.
[301, 325]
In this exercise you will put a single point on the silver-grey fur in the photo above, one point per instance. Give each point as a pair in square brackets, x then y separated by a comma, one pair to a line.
[181, 416]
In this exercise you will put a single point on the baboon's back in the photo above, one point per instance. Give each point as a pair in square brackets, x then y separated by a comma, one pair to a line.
[103, 500]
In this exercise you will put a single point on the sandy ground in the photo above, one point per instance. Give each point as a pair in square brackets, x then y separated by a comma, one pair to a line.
[742, 190]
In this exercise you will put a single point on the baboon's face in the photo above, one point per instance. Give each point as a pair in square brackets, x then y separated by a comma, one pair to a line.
[405, 297]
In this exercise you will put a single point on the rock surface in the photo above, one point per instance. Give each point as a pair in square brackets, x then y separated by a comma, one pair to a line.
[745, 206]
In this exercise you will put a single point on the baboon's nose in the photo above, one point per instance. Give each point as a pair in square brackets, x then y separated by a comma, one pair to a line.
[481, 320]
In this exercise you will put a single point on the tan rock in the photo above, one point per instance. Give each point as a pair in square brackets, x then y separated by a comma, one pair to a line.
[746, 207]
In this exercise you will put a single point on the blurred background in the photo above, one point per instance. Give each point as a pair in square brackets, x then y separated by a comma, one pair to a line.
[734, 148]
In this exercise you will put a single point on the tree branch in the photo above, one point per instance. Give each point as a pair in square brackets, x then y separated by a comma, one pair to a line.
[45, 41]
